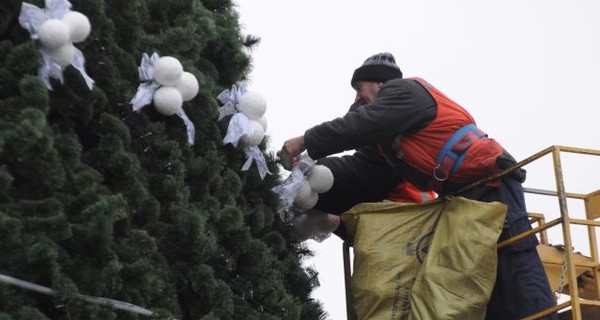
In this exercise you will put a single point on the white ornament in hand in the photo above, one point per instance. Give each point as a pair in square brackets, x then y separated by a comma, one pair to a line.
[320, 178]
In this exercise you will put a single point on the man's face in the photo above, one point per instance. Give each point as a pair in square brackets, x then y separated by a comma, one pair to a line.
[367, 90]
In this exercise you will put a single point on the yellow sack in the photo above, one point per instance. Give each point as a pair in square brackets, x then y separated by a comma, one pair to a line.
[428, 261]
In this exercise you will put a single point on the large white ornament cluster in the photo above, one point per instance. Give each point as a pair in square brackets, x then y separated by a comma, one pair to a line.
[247, 124]
[253, 105]
[58, 36]
[176, 87]
[319, 179]
[55, 29]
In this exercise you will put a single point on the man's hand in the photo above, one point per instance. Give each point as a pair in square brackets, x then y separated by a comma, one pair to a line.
[292, 149]
[285, 160]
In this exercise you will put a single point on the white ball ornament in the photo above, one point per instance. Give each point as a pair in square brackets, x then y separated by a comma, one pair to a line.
[263, 122]
[320, 178]
[308, 202]
[79, 25]
[54, 33]
[168, 100]
[304, 191]
[188, 86]
[64, 55]
[253, 105]
[167, 71]
[258, 133]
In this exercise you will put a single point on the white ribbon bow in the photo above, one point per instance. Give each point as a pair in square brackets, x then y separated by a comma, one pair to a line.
[230, 98]
[253, 153]
[239, 125]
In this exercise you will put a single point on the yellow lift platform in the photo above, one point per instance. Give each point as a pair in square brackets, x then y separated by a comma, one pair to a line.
[563, 265]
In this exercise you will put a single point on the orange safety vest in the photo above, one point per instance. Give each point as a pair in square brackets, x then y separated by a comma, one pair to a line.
[421, 149]
[408, 192]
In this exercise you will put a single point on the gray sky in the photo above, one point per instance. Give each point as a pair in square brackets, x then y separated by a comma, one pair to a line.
[527, 70]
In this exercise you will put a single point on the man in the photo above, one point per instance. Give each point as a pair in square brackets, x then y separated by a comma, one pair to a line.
[409, 127]
[360, 178]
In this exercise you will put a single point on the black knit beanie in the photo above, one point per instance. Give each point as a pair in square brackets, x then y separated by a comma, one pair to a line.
[380, 67]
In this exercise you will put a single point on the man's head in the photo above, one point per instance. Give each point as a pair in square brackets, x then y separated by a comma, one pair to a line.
[375, 70]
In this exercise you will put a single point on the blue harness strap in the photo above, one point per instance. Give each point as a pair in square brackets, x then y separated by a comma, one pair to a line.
[453, 154]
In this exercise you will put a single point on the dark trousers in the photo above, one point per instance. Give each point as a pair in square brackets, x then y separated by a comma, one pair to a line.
[522, 287]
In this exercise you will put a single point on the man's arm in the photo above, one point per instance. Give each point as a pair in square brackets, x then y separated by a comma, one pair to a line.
[361, 177]
[402, 107]
[295, 146]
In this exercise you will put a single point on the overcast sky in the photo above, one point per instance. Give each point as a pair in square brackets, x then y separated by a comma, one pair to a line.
[527, 70]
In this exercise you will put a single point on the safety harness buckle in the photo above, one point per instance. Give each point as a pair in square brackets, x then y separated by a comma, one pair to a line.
[453, 154]
[436, 176]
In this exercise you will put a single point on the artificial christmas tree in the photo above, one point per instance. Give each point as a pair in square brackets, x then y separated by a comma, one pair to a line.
[97, 200]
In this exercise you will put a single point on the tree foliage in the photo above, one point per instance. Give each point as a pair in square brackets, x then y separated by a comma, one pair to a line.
[98, 200]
